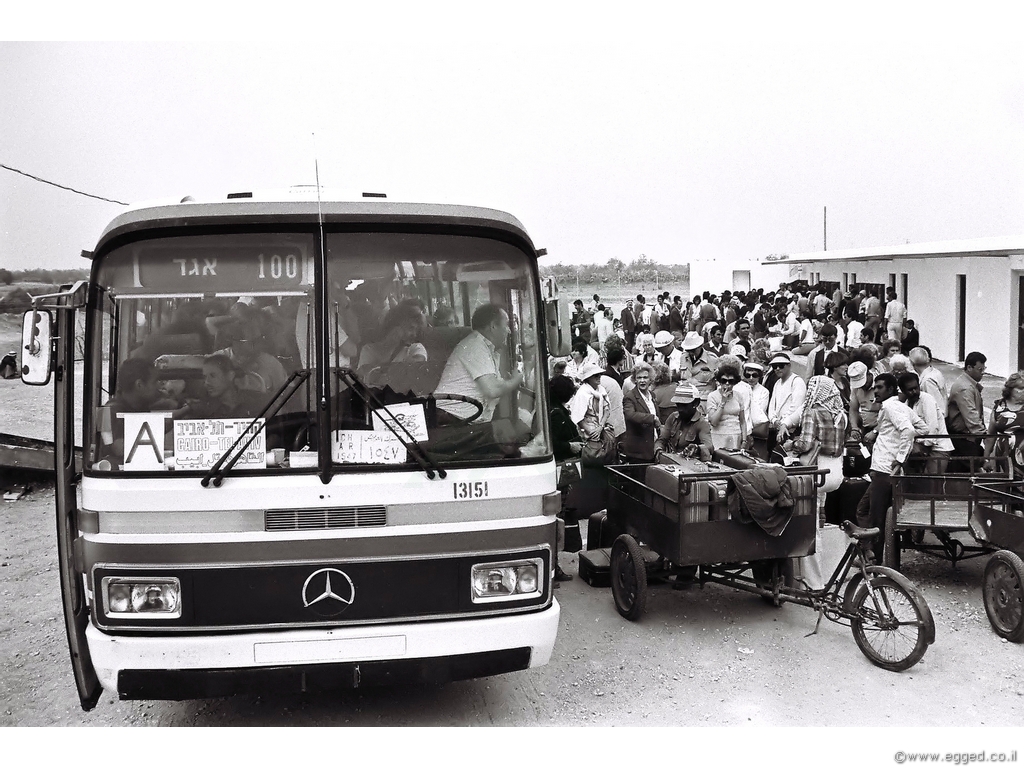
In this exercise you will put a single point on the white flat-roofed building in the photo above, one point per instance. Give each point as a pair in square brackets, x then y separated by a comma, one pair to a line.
[963, 295]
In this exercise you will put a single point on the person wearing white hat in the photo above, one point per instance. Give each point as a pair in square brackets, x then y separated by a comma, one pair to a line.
[665, 344]
[589, 408]
[786, 403]
[686, 431]
[753, 372]
[863, 408]
[697, 365]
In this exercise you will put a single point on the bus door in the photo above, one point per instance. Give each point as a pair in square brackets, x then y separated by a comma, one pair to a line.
[76, 609]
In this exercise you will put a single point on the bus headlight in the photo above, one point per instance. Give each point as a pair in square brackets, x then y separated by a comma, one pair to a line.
[516, 580]
[125, 597]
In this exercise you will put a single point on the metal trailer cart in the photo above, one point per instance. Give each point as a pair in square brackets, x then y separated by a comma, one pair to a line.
[970, 514]
[928, 501]
[997, 522]
[669, 540]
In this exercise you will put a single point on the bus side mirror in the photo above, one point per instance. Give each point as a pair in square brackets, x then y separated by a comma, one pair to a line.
[36, 349]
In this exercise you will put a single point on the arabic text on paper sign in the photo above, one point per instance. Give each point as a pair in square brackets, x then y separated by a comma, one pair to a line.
[364, 447]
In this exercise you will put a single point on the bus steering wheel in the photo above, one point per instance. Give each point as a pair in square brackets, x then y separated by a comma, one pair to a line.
[462, 420]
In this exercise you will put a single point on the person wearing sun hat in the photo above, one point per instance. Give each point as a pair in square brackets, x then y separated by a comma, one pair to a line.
[697, 365]
[665, 345]
[863, 407]
[686, 431]
[786, 404]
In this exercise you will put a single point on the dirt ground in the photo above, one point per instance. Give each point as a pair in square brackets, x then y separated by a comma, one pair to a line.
[710, 656]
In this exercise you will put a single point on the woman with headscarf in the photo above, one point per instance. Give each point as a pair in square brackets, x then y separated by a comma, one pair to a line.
[821, 442]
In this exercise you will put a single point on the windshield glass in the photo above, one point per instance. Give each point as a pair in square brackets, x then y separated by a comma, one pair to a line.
[195, 336]
[440, 333]
[432, 337]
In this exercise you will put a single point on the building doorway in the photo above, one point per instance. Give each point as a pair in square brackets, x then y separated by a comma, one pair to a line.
[961, 317]
[1020, 322]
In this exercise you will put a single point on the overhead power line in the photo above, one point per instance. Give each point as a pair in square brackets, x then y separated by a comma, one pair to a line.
[61, 186]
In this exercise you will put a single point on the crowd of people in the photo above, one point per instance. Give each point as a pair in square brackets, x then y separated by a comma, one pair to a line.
[791, 375]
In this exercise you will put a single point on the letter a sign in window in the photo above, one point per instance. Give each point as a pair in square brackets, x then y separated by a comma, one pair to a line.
[144, 441]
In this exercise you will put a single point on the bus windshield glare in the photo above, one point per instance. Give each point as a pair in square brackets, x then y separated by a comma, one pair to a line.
[430, 341]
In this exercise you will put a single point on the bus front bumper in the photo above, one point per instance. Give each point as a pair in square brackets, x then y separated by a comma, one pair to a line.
[206, 666]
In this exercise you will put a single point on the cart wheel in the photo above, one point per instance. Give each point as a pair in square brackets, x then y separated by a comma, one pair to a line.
[629, 577]
[894, 633]
[891, 553]
[1004, 590]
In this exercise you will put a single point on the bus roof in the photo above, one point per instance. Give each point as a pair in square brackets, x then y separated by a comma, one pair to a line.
[300, 205]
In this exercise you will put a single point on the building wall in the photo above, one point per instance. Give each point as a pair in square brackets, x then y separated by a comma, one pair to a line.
[719, 275]
[991, 316]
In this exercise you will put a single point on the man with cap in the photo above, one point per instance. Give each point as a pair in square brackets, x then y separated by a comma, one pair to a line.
[863, 406]
[665, 344]
[786, 404]
[686, 431]
[697, 365]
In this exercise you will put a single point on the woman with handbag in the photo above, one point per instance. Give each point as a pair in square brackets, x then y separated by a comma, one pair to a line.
[821, 443]
[589, 411]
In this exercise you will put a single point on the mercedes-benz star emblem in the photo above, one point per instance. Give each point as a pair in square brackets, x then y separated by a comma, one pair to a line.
[328, 592]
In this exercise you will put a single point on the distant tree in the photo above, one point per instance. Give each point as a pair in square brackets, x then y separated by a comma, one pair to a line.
[6, 277]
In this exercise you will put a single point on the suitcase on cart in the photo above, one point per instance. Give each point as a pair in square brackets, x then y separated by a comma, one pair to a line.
[706, 500]
[735, 459]
[596, 567]
[600, 532]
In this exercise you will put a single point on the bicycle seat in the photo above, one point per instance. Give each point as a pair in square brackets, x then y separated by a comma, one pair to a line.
[858, 533]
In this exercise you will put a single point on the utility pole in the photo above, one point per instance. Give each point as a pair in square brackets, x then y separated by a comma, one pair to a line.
[825, 224]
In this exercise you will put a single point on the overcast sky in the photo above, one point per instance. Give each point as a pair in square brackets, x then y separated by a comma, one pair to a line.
[683, 134]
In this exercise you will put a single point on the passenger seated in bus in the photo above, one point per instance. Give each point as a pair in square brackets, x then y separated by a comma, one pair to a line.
[189, 318]
[444, 317]
[402, 331]
[259, 371]
[224, 400]
[137, 392]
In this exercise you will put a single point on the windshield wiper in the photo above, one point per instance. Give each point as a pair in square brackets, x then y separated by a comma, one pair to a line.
[231, 456]
[427, 464]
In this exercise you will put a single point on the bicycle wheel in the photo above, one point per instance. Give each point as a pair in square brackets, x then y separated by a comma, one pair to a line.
[896, 636]
[1004, 592]
[629, 577]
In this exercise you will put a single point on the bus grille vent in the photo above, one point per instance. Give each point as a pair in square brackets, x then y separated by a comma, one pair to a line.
[325, 519]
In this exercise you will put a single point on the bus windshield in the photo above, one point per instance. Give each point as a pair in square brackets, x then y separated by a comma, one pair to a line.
[430, 342]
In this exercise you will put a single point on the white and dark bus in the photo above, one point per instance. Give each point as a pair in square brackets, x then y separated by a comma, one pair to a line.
[316, 447]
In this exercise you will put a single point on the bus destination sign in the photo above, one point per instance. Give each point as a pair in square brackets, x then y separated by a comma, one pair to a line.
[244, 269]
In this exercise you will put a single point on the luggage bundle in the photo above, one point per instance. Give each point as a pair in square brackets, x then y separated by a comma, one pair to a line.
[698, 500]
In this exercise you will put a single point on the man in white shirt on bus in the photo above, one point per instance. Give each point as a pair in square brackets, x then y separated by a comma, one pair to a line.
[472, 369]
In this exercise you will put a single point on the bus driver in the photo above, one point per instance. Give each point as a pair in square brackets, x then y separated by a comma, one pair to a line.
[472, 369]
